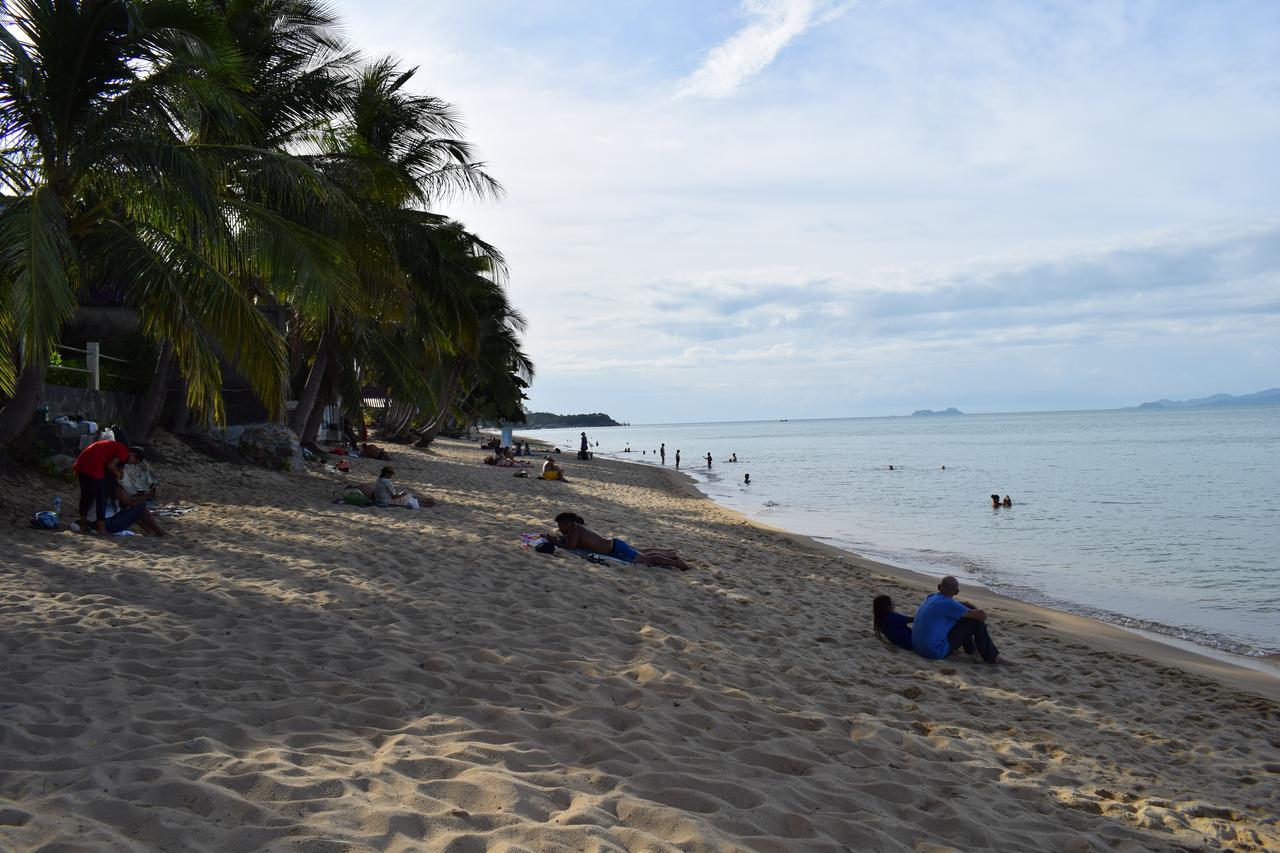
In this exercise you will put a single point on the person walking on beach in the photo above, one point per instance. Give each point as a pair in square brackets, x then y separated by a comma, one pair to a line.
[575, 534]
[708, 460]
[943, 626]
[662, 451]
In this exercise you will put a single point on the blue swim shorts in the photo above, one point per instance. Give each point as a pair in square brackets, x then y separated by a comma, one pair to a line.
[125, 518]
[622, 551]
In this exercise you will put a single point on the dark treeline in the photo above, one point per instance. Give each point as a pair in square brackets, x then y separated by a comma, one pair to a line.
[548, 420]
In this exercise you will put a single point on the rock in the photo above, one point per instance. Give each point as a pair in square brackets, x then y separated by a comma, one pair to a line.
[62, 462]
[271, 445]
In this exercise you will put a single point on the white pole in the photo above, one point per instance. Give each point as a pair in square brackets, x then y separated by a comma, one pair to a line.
[91, 362]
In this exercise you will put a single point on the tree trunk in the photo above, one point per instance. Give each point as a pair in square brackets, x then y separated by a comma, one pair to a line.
[307, 401]
[148, 415]
[16, 414]
[429, 434]
[312, 428]
[398, 418]
[181, 420]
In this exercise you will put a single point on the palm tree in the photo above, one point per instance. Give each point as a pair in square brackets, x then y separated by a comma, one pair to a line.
[396, 153]
[290, 79]
[99, 185]
[201, 156]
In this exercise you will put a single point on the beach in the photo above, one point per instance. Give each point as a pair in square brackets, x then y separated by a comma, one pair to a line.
[285, 673]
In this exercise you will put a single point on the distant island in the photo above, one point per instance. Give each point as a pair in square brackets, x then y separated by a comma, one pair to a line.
[930, 412]
[1270, 397]
[548, 420]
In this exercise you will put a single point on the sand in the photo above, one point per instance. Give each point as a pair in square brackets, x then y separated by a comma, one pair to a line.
[288, 674]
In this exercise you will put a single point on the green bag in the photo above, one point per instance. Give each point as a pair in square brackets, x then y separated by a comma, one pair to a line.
[355, 497]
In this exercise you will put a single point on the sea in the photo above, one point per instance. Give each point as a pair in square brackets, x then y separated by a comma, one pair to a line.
[1167, 522]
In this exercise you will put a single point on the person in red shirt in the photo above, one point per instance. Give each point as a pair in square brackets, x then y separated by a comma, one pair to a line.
[98, 469]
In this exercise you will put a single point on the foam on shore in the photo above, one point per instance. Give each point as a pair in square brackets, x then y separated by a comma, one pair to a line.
[289, 674]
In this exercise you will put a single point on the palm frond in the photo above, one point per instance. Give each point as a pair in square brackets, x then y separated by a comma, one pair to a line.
[35, 256]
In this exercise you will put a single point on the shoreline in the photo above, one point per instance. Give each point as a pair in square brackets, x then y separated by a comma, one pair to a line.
[284, 672]
[1263, 680]
[1159, 647]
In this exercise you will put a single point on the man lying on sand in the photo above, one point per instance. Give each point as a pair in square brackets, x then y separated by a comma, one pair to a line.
[575, 534]
[943, 626]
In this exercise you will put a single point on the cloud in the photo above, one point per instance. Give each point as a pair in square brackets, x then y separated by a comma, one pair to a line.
[1158, 288]
[750, 50]
[985, 204]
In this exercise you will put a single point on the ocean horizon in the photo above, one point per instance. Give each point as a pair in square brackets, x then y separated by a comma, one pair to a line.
[1167, 522]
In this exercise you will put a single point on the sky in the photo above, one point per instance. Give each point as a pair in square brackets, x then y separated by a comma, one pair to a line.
[757, 209]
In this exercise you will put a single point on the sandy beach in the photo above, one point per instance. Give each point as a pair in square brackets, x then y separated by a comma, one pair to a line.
[284, 673]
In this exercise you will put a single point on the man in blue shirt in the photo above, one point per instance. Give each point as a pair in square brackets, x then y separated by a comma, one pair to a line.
[943, 625]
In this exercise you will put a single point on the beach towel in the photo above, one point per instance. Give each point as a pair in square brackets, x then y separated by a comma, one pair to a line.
[599, 559]
[538, 542]
[531, 540]
[172, 511]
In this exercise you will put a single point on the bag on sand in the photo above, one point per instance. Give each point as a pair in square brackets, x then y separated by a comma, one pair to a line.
[355, 497]
[45, 520]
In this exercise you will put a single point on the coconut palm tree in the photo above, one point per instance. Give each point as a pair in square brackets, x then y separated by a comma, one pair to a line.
[291, 73]
[98, 185]
[396, 153]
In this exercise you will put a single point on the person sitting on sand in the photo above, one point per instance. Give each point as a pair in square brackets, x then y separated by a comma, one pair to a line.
[943, 626]
[575, 534]
[121, 512]
[383, 492]
[552, 471]
[137, 479]
[890, 626]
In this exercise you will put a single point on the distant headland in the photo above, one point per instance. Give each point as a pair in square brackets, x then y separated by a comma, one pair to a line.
[1270, 397]
[930, 412]
[548, 420]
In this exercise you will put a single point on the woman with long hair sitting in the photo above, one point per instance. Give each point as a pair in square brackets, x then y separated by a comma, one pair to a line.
[890, 626]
